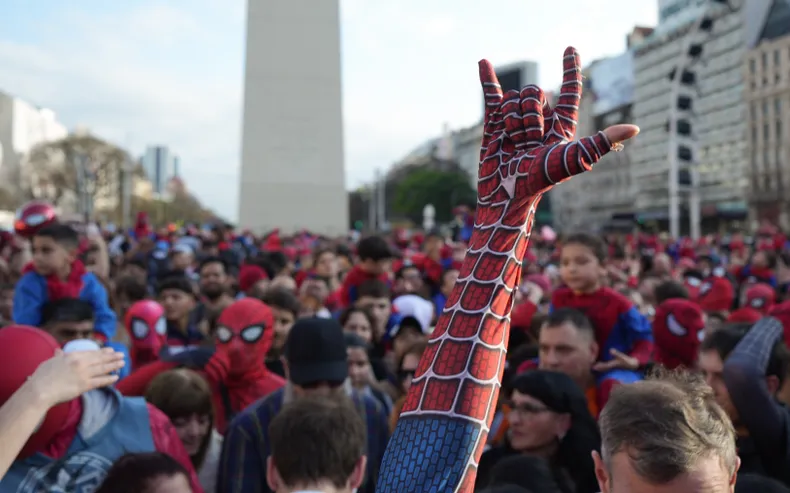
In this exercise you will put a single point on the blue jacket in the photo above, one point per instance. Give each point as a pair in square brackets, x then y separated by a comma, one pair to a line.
[30, 295]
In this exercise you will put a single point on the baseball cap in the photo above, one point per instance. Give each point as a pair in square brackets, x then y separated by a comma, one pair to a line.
[316, 352]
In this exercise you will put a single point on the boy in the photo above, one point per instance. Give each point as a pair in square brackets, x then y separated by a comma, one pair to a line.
[57, 273]
[177, 296]
[375, 260]
[622, 333]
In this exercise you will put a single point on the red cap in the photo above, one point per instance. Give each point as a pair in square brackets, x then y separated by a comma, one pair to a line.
[760, 297]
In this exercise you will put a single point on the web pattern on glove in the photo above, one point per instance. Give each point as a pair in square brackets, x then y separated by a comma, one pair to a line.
[527, 148]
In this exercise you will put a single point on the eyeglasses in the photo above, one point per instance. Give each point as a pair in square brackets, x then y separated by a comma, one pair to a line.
[526, 408]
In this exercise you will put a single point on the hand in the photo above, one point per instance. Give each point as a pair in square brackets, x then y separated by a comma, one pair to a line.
[532, 291]
[67, 376]
[619, 360]
[527, 145]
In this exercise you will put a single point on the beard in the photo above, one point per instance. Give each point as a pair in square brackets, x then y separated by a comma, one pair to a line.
[213, 292]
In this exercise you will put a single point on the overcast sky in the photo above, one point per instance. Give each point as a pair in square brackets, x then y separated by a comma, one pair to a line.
[170, 72]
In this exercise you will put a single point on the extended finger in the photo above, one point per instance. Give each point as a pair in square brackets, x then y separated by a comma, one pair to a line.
[102, 381]
[620, 133]
[567, 107]
[492, 90]
[533, 100]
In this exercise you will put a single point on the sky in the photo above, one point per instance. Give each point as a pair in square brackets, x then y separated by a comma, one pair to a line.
[170, 72]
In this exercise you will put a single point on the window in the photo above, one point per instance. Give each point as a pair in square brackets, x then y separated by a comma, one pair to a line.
[778, 107]
[752, 66]
[765, 61]
[765, 108]
[779, 131]
[777, 58]
[766, 132]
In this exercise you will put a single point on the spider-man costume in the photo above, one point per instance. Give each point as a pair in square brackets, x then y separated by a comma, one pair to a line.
[235, 368]
[145, 322]
[527, 148]
[678, 328]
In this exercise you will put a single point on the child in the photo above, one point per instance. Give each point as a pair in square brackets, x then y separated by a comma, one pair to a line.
[623, 334]
[375, 259]
[57, 273]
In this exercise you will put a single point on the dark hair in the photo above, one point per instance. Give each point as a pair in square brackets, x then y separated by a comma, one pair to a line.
[416, 348]
[62, 234]
[321, 252]
[533, 473]
[180, 393]
[176, 283]
[213, 260]
[317, 439]
[757, 483]
[343, 251]
[283, 299]
[66, 310]
[346, 314]
[558, 392]
[373, 288]
[571, 316]
[594, 243]
[665, 424]
[354, 341]
[724, 340]
[132, 288]
[374, 248]
[134, 473]
[670, 290]
[278, 261]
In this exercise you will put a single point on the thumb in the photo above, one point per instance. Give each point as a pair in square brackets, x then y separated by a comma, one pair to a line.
[621, 133]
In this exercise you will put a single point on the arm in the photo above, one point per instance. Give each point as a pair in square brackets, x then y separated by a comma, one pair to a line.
[744, 376]
[105, 321]
[19, 418]
[240, 468]
[29, 297]
[639, 334]
[166, 441]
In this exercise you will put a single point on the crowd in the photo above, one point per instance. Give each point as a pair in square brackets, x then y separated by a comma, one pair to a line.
[222, 333]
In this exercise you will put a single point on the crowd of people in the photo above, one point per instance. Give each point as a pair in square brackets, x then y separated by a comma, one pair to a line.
[228, 357]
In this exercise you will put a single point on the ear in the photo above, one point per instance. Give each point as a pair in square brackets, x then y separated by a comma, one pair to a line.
[601, 473]
[358, 474]
[773, 384]
[594, 351]
[272, 476]
[734, 476]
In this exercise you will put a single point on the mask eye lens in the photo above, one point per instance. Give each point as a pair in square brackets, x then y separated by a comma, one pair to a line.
[252, 334]
[139, 329]
[161, 326]
[224, 334]
[34, 219]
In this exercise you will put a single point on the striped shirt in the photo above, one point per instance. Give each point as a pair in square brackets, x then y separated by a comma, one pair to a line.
[242, 467]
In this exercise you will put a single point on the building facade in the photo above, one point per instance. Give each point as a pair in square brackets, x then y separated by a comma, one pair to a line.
[601, 199]
[766, 70]
[719, 127]
[160, 165]
[292, 160]
[22, 127]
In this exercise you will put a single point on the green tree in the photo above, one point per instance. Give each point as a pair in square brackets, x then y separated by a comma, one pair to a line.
[423, 186]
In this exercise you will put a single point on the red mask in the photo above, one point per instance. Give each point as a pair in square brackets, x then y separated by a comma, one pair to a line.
[244, 333]
[147, 327]
[678, 327]
[23, 349]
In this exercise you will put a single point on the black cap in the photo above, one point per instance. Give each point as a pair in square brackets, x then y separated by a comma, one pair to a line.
[316, 351]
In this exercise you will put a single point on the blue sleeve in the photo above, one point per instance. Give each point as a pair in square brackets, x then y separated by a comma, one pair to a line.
[633, 327]
[240, 468]
[551, 308]
[121, 348]
[772, 281]
[105, 321]
[352, 295]
[30, 294]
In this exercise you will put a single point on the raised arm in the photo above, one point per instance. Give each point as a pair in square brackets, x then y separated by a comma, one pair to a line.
[448, 411]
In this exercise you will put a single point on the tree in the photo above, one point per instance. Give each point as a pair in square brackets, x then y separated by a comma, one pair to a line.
[79, 165]
[423, 186]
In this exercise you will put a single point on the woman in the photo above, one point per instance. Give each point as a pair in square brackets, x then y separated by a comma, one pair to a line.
[146, 473]
[549, 419]
[185, 397]
[358, 321]
[361, 373]
[406, 368]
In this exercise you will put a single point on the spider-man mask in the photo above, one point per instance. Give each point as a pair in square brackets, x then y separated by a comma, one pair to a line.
[22, 350]
[147, 327]
[678, 329]
[244, 333]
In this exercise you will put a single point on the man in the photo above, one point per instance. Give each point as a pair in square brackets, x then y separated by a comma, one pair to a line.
[745, 367]
[214, 284]
[317, 445]
[666, 434]
[315, 364]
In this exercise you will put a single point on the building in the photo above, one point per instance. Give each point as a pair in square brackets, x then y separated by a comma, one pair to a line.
[292, 162]
[766, 70]
[160, 165]
[719, 106]
[603, 198]
[514, 76]
[22, 127]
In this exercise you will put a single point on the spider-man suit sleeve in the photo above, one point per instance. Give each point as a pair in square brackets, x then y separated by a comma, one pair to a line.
[527, 148]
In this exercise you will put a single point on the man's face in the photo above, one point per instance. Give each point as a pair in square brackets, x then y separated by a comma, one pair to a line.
[712, 366]
[410, 281]
[283, 321]
[177, 304]
[134, 270]
[213, 280]
[64, 332]
[708, 476]
[566, 349]
[448, 281]
[181, 260]
[381, 308]
[49, 257]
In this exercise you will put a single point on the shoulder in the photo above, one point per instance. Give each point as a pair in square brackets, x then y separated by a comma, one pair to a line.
[618, 300]
[258, 414]
[560, 294]
[30, 277]
[90, 279]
